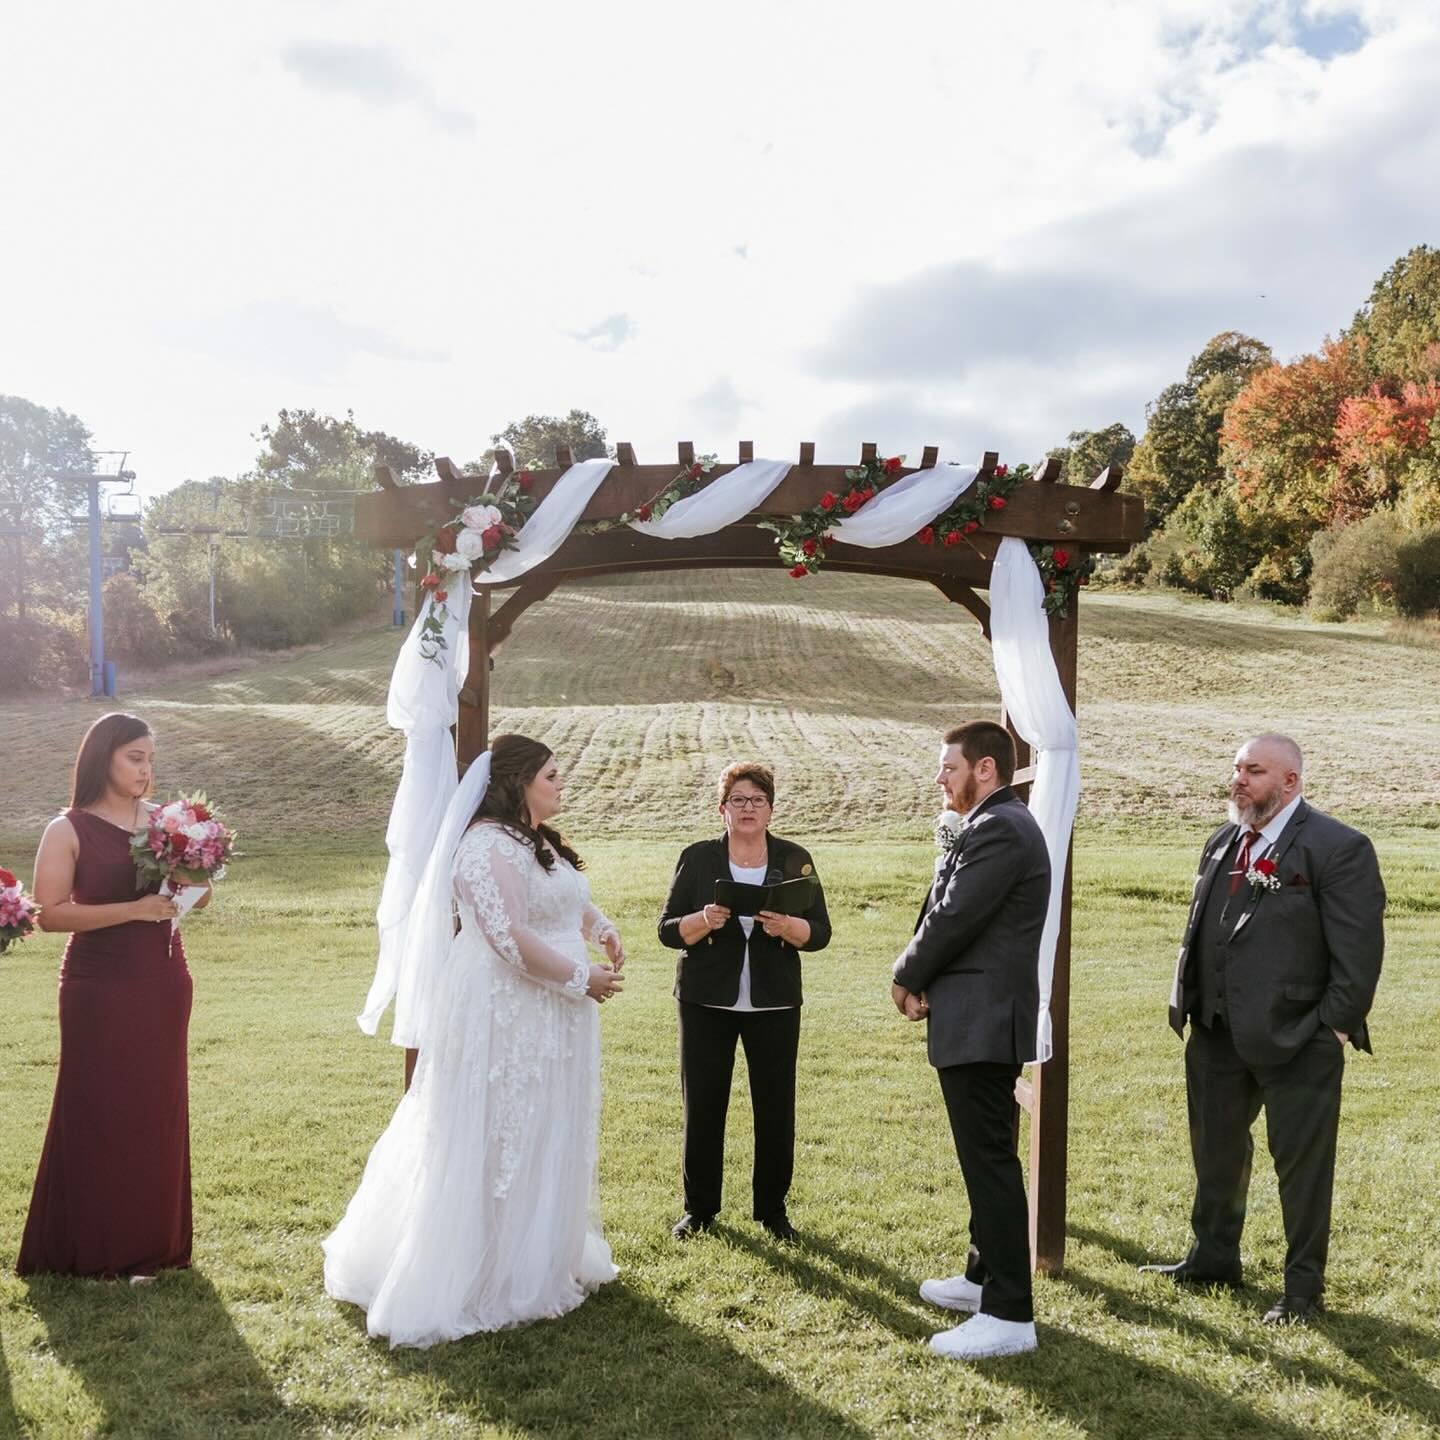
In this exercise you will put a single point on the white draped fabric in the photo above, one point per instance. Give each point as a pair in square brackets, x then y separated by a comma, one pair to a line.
[424, 696]
[721, 503]
[1035, 701]
[551, 523]
[422, 702]
[901, 509]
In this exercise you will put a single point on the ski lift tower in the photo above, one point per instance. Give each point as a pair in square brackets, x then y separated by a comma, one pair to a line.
[120, 502]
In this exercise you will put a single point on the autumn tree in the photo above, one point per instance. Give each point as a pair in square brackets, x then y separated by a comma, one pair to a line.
[1399, 326]
[1181, 445]
[1087, 452]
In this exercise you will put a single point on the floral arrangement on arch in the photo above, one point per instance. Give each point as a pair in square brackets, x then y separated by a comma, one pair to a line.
[17, 911]
[803, 539]
[483, 527]
[686, 483]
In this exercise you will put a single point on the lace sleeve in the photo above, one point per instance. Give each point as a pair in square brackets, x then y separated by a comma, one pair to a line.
[490, 885]
[595, 924]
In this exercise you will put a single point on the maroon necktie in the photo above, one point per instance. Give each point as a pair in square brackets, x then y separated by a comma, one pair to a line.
[1242, 859]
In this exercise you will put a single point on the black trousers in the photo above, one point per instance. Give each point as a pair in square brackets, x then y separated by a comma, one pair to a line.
[980, 1099]
[707, 1061]
[1301, 1099]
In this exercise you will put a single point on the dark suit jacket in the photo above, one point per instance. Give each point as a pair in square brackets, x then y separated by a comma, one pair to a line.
[1296, 958]
[708, 973]
[976, 950]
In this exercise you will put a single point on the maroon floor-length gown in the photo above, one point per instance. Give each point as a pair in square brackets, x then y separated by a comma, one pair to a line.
[112, 1196]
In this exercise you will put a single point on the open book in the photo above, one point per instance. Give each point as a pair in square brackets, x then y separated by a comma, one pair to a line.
[788, 897]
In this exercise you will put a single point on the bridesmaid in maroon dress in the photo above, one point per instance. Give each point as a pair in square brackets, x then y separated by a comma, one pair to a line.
[112, 1196]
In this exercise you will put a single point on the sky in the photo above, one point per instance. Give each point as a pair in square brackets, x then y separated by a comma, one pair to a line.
[972, 226]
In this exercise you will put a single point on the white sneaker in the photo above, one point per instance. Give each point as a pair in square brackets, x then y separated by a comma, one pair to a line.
[956, 1293]
[985, 1336]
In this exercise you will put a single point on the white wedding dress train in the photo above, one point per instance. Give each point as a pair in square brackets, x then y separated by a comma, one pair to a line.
[479, 1206]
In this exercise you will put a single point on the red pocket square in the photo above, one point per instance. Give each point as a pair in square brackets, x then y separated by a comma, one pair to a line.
[1298, 882]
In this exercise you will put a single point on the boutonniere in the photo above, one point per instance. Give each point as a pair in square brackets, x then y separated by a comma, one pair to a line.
[947, 831]
[1261, 876]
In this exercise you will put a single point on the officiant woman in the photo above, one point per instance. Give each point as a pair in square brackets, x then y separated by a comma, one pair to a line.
[738, 979]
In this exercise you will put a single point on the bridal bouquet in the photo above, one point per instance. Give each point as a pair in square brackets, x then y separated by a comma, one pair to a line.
[185, 845]
[17, 911]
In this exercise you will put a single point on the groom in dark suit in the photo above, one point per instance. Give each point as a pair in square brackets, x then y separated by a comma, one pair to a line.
[972, 969]
[1276, 974]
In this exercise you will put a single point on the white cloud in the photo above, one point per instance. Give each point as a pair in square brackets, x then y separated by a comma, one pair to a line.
[785, 218]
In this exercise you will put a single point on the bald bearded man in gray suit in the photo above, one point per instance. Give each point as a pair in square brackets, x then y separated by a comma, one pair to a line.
[1276, 974]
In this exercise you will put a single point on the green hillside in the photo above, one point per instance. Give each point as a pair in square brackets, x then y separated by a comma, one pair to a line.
[646, 687]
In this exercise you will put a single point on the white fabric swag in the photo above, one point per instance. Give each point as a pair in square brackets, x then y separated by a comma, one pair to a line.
[424, 697]
[1036, 704]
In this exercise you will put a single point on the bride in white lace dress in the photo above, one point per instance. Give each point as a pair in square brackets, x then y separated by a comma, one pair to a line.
[479, 1205]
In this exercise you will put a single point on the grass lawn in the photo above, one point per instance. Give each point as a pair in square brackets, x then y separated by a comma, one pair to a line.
[732, 1335]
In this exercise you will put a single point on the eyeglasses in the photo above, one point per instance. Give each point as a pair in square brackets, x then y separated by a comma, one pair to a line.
[747, 802]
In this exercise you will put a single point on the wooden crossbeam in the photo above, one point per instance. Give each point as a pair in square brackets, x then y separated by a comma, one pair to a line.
[807, 452]
[686, 449]
[868, 451]
[504, 461]
[747, 451]
[1109, 478]
[447, 469]
[625, 454]
[385, 478]
[564, 457]
[1047, 472]
[931, 456]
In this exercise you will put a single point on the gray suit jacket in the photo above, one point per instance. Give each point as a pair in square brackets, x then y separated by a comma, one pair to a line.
[976, 950]
[1296, 958]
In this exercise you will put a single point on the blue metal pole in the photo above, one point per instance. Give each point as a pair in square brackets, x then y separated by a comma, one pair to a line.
[397, 616]
[97, 616]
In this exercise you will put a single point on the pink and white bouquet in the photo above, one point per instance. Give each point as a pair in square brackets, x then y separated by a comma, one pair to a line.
[185, 845]
[17, 911]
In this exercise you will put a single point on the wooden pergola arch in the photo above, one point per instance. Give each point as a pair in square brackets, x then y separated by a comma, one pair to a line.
[1098, 518]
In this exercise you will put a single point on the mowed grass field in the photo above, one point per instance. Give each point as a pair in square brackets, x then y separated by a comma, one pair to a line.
[644, 690]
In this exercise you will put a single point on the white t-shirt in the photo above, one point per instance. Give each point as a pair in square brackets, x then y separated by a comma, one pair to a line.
[745, 876]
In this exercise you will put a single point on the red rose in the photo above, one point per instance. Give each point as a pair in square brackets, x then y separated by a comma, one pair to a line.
[441, 596]
[430, 581]
[809, 547]
[828, 500]
[526, 480]
[971, 526]
[201, 813]
[490, 536]
[952, 537]
[852, 502]
[445, 540]
[893, 464]
[644, 512]
[1062, 559]
[799, 572]
[829, 541]
[870, 493]
[997, 502]
[1264, 867]
[7, 878]
[1083, 580]
[927, 535]
[1001, 471]
[696, 470]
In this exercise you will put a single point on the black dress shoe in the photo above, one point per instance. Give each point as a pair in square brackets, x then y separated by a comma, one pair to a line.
[1182, 1272]
[1294, 1310]
[689, 1225]
[780, 1228]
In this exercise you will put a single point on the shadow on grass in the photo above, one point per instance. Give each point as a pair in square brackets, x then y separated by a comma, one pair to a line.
[620, 1366]
[1389, 1351]
[9, 1420]
[161, 1359]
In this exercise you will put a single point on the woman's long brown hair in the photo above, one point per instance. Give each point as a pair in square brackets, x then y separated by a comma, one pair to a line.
[515, 760]
[92, 764]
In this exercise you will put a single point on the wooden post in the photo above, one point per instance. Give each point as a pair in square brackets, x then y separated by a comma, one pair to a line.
[1050, 1082]
[472, 732]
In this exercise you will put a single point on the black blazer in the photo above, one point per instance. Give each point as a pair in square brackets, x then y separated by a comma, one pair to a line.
[975, 954]
[1298, 958]
[708, 973]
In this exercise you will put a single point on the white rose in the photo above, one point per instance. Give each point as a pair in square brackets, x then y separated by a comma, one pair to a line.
[469, 544]
[480, 517]
[196, 831]
[455, 561]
